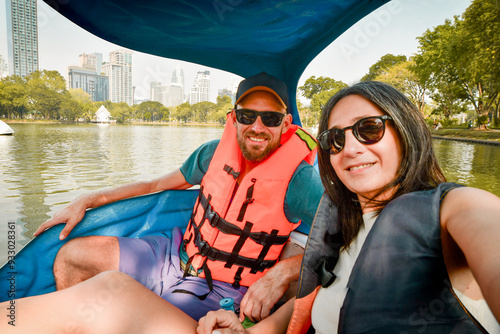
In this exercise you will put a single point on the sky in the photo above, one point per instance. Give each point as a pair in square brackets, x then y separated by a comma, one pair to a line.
[393, 28]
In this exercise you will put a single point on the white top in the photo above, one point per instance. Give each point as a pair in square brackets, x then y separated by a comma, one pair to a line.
[328, 302]
[326, 307]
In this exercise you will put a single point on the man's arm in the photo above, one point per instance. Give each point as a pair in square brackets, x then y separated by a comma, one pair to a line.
[74, 212]
[268, 290]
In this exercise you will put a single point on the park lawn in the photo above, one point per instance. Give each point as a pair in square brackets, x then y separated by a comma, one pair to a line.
[466, 133]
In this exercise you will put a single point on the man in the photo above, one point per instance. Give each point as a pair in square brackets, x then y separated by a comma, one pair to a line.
[257, 183]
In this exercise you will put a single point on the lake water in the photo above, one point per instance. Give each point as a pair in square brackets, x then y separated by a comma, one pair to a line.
[44, 166]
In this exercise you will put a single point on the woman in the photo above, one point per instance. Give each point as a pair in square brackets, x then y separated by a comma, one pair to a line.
[402, 233]
[413, 249]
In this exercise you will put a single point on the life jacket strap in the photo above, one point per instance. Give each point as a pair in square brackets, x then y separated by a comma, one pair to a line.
[226, 227]
[248, 200]
[215, 254]
[231, 171]
[258, 264]
[237, 247]
[237, 278]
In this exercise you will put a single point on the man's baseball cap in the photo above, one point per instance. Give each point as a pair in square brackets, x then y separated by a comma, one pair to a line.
[266, 82]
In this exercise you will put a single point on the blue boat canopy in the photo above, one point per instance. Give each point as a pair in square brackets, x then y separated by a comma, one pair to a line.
[244, 37]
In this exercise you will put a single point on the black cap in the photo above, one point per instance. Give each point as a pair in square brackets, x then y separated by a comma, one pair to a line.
[266, 82]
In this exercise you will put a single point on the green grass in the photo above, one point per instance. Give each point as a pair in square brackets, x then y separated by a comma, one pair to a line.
[471, 134]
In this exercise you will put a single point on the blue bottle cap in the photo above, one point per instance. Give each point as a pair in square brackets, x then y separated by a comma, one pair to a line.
[227, 304]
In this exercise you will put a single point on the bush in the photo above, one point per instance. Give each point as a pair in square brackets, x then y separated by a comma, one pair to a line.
[496, 122]
[482, 119]
[430, 122]
[448, 123]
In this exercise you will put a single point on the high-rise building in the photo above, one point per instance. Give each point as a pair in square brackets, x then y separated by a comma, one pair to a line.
[178, 79]
[22, 36]
[201, 88]
[169, 95]
[88, 78]
[155, 91]
[119, 72]
[227, 92]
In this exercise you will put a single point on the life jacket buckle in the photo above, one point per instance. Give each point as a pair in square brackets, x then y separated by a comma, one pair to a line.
[204, 249]
[213, 218]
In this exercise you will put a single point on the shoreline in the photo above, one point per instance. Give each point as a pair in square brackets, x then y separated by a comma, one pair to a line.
[471, 136]
[468, 140]
[31, 121]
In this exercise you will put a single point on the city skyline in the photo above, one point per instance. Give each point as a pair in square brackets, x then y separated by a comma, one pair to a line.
[390, 29]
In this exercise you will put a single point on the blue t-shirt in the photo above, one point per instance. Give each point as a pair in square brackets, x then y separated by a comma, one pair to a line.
[302, 195]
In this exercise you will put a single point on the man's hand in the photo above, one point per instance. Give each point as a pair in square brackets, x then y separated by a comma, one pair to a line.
[263, 294]
[70, 215]
[225, 322]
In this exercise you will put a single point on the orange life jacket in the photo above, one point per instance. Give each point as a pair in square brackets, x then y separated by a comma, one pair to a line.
[235, 236]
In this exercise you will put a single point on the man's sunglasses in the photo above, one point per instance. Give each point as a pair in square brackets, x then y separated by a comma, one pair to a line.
[367, 130]
[249, 116]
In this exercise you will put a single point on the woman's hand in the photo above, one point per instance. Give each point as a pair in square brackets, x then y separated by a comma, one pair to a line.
[221, 321]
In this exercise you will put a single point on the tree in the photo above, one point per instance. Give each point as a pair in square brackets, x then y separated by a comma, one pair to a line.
[461, 56]
[201, 110]
[45, 92]
[183, 112]
[71, 108]
[82, 103]
[314, 86]
[382, 66]
[405, 80]
[120, 111]
[155, 109]
[318, 103]
[305, 114]
[223, 106]
[13, 100]
[222, 101]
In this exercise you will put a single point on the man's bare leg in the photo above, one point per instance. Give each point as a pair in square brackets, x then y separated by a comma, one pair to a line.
[111, 302]
[82, 258]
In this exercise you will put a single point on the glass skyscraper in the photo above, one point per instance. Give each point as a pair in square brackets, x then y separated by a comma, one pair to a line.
[22, 36]
[88, 77]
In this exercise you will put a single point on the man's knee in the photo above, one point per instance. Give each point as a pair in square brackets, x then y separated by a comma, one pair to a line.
[82, 258]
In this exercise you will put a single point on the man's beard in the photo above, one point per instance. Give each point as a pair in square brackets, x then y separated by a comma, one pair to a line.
[257, 156]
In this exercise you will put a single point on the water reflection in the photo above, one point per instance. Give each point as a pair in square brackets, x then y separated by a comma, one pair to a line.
[474, 165]
[45, 166]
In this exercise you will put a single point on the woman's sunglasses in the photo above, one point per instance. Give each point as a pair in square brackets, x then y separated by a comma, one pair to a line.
[367, 130]
[249, 116]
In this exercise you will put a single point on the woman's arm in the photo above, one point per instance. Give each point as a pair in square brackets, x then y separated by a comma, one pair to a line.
[472, 218]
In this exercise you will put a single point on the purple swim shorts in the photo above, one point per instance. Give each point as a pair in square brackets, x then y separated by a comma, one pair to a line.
[154, 262]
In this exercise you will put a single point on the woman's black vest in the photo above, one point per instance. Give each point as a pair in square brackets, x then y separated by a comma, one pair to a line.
[399, 283]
